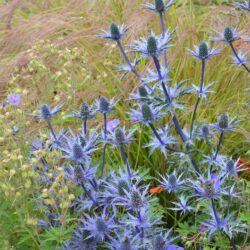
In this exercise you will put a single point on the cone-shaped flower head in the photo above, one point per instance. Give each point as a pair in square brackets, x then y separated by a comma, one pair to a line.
[45, 112]
[142, 91]
[115, 32]
[77, 151]
[223, 121]
[159, 5]
[203, 50]
[228, 34]
[147, 113]
[123, 185]
[152, 45]
[136, 199]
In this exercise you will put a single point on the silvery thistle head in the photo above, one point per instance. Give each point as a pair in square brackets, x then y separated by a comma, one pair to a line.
[182, 205]
[105, 106]
[80, 174]
[45, 113]
[172, 182]
[244, 5]
[231, 168]
[159, 6]
[204, 132]
[99, 227]
[209, 187]
[120, 136]
[82, 239]
[76, 149]
[203, 52]
[154, 46]
[224, 124]
[86, 112]
[115, 32]
[166, 138]
[163, 241]
[124, 240]
[146, 114]
[228, 36]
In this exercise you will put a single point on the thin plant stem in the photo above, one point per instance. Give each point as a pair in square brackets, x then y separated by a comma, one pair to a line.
[163, 35]
[175, 120]
[237, 56]
[105, 145]
[127, 60]
[219, 145]
[199, 97]
[88, 193]
[51, 130]
[85, 126]
[125, 160]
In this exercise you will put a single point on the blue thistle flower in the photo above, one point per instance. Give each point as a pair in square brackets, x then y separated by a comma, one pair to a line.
[46, 113]
[104, 106]
[231, 168]
[115, 32]
[182, 205]
[159, 6]
[146, 114]
[202, 52]
[120, 137]
[229, 35]
[98, 227]
[171, 182]
[86, 112]
[76, 150]
[244, 5]
[224, 124]
[153, 46]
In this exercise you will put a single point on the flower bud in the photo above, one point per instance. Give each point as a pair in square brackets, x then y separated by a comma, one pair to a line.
[147, 113]
[203, 50]
[136, 199]
[45, 112]
[104, 105]
[159, 5]
[143, 91]
[122, 185]
[172, 180]
[205, 131]
[77, 151]
[119, 136]
[223, 121]
[230, 166]
[100, 225]
[152, 45]
[114, 31]
[78, 174]
[228, 34]
[84, 110]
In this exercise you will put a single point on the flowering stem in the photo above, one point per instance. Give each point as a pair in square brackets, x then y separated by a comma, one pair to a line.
[199, 97]
[175, 120]
[219, 145]
[104, 148]
[237, 56]
[125, 160]
[51, 130]
[87, 193]
[85, 126]
[163, 35]
[127, 60]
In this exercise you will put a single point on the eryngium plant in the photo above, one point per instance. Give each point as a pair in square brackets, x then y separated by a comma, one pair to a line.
[116, 210]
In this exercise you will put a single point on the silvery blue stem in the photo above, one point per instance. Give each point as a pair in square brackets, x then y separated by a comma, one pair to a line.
[105, 145]
[51, 130]
[125, 160]
[140, 219]
[238, 58]
[163, 35]
[85, 126]
[219, 145]
[175, 120]
[87, 193]
[199, 97]
[127, 60]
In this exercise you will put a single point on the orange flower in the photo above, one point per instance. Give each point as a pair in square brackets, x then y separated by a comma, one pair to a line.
[156, 190]
[245, 164]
